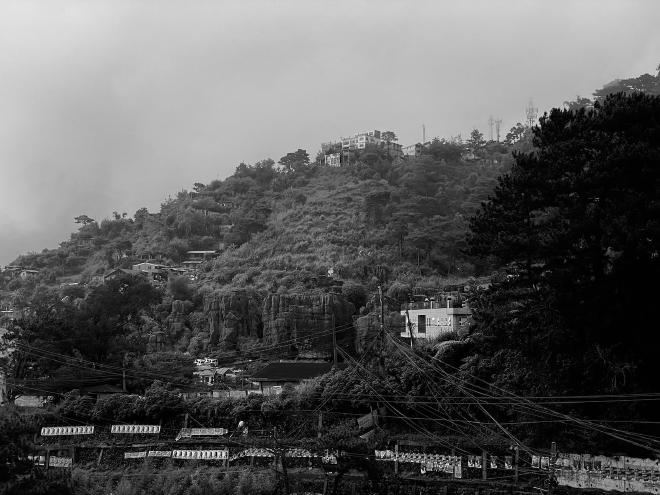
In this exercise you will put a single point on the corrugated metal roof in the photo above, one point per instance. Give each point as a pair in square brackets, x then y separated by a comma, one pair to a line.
[292, 371]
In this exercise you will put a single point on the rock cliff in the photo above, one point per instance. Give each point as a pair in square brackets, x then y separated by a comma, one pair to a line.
[302, 325]
[231, 316]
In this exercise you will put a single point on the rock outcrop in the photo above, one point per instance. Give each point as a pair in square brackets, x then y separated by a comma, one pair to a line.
[302, 325]
[177, 318]
[231, 316]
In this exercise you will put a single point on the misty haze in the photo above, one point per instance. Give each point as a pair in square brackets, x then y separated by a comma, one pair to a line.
[329, 247]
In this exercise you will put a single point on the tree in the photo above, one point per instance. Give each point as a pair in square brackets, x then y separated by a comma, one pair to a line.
[84, 219]
[295, 161]
[576, 224]
[646, 83]
[476, 141]
[515, 134]
[388, 136]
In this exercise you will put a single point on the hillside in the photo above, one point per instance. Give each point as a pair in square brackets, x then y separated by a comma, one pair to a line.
[568, 232]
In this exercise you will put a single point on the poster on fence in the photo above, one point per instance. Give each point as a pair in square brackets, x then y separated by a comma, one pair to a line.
[458, 470]
[61, 462]
[135, 455]
[159, 453]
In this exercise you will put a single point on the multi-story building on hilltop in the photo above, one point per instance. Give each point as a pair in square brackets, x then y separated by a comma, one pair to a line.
[340, 152]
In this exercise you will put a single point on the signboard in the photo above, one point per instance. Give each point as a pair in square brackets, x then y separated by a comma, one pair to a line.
[136, 429]
[49, 431]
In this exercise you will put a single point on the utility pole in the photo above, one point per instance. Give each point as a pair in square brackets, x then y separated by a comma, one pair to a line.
[282, 454]
[334, 340]
[382, 330]
[123, 374]
[409, 327]
[423, 134]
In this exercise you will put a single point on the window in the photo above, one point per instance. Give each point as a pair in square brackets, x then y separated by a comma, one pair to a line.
[421, 324]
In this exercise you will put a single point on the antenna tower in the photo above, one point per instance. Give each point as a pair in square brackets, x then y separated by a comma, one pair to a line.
[498, 123]
[423, 133]
[490, 128]
[532, 113]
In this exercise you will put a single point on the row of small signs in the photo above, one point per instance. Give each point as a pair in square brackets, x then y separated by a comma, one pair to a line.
[180, 454]
[473, 461]
[328, 457]
[136, 429]
[49, 431]
[492, 462]
[449, 464]
[587, 462]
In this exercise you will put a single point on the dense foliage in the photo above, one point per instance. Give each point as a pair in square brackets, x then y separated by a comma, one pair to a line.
[576, 225]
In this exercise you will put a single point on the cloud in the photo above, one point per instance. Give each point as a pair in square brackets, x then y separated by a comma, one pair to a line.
[115, 105]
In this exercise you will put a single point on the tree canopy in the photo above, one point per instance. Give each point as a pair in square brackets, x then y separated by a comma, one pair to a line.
[576, 223]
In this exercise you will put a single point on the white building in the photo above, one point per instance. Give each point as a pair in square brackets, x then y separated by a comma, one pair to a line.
[431, 318]
[333, 159]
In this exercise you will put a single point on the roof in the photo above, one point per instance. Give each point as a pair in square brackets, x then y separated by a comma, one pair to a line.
[102, 389]
[123, 270]
[292, 371]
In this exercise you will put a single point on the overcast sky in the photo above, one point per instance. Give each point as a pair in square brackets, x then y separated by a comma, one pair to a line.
[110, 105]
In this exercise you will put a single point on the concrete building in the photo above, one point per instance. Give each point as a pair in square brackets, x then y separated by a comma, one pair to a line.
[435, 316]
[412, 150]
[360, 141]
[333, 159]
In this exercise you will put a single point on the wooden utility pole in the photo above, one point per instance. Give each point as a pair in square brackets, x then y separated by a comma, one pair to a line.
[382, 330]
[484, 459]
[334, 339]
[320, 425]
[516, 458]
[282, 454]
[123, 374]
[409, 328]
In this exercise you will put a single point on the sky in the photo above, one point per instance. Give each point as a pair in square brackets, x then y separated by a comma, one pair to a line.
[115, 105]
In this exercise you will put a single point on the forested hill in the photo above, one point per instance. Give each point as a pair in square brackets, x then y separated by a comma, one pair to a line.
[279, 227]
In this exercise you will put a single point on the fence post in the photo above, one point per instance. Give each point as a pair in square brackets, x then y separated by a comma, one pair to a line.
[396, 457]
